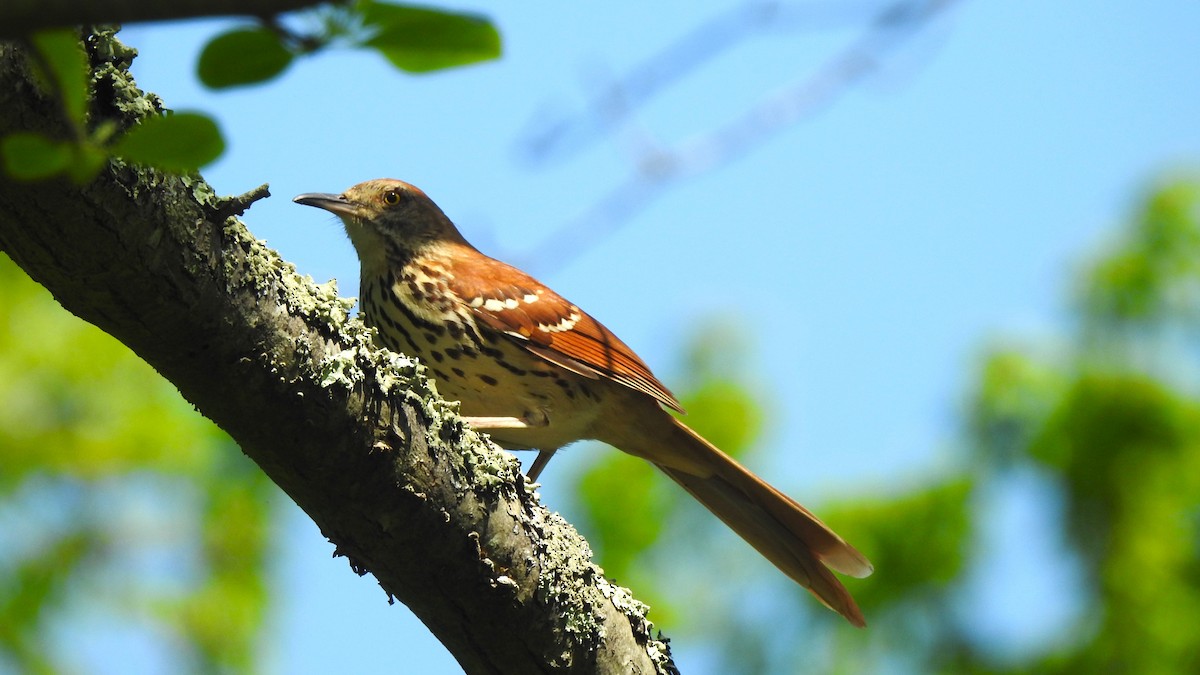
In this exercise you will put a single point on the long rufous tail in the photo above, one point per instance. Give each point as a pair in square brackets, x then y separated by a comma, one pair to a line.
[783, 531]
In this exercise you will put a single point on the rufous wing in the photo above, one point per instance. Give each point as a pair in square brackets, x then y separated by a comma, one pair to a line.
[505, 299]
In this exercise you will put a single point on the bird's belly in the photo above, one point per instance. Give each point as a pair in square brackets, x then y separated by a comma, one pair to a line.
[498, 378]
[490, 374]
[558, 406]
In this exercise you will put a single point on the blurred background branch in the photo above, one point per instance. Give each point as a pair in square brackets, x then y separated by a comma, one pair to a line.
[881, 29]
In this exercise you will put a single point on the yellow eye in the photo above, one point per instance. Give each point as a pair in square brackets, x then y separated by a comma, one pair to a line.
[391, 198]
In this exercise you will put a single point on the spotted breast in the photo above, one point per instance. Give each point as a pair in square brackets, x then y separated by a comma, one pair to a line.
[490, 350]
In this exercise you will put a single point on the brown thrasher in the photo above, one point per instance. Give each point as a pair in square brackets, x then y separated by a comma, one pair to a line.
[536, 372]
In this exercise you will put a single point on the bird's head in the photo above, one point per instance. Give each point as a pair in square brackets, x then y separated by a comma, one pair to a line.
[387, 218]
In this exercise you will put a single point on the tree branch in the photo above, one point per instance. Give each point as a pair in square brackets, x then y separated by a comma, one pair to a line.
[354, 435]
[20, 17]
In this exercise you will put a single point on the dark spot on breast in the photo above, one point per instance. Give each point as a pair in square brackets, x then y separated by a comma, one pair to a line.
[440, 375]
[388, 329]
[429, 326]
[437, 356]
[459, 372]
[511, 368]
[488, 380]
[390, 342]
[457, 353]
[430, 338]
[566, 387]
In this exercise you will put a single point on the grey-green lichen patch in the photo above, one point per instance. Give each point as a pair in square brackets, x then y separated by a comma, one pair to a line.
[259, 265]
[568, 555]
[622, 598]
[321, 302]
[340, 369]
[566, 560]
[111, 60]
[108, 47]
[635, 610]
[298, 295]
[202, 192]
[487, 466]
[358, 361]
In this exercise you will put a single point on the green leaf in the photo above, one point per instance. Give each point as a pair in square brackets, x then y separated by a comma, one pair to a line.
[919, 540]
[61, 52]
[419, 40]
[243, 56]
[86, 162]
[175, 142]
[622, 534]
[89, 434]
[30, 156]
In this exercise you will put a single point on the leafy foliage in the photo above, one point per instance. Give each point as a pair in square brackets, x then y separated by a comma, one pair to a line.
[117, 500]
[413, 39]
[1115, 424]
[1111, 420]
[173, 142]
[421, 40]
[64, 69]
[182, 142]
[242, 56]
[29, 156]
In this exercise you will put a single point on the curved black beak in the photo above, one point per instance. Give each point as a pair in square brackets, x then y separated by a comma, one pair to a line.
[336, 204]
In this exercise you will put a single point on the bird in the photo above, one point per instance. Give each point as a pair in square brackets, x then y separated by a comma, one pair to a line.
[536, 372]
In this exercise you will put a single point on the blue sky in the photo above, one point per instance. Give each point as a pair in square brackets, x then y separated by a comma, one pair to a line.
[873, 250]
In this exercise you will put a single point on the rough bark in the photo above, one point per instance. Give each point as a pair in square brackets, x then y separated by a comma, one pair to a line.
[354, 435]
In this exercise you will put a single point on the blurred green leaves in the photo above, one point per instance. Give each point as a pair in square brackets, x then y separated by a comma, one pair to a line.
[242, 56]
[30, 156]
[621, 535]
[918, 542]
[413, 39]
[117, 500]
[63, 68]
[1108, 415]
[421, 40]
[179, 142]
[1154, 276]
[1114, 421]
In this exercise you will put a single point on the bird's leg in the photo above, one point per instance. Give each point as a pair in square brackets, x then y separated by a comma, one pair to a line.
[539, 463]
[486, 423]
[532, 419]
[528, 422]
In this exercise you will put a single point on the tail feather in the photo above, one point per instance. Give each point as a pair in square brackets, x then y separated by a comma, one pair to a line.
[783, 531]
